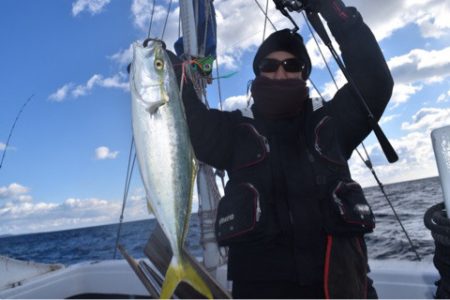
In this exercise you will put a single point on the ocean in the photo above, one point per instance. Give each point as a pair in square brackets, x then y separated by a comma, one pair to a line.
[410, 199]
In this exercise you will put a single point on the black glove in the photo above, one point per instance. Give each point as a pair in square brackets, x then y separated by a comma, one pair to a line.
[331, 10]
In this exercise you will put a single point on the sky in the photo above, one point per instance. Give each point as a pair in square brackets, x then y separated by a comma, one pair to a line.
[66, 162]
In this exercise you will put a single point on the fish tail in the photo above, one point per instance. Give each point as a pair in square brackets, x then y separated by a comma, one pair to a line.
[183, 271]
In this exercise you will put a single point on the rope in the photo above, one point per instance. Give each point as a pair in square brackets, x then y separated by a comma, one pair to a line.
[167, 17]
[265, 14]
[12, 128]
[436, 220]
[130, 168]
[151, 19]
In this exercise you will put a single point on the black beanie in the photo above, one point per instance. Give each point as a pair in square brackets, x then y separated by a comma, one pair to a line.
[283, 40]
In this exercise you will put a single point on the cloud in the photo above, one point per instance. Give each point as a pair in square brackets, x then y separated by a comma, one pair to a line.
[237, 36]
[123, 57]
[387, 119]
[421, 65]
[411, 72]
[117, 81]
[2, 146]
[93, 6]
[430, 16]
[330, 88]
[235, 102]
[37, 217]
[444, 97]
[233, 39]
[414, 149]
[14, 191]
[61, 93]
[402, 92]
[141, 11]
[26, 217]
[103, 152]
[428, 119]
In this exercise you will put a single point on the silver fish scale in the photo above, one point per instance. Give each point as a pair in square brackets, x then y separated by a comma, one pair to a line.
[163, 148]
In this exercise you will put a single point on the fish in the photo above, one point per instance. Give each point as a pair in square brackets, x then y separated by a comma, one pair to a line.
[165, 155]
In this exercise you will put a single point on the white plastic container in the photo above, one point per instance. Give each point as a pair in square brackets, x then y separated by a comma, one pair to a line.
[440, 138]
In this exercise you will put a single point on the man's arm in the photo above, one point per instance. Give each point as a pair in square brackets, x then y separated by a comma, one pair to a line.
[367, 67]
[211, 130]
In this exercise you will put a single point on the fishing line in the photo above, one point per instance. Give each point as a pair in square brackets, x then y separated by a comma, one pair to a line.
[320, 50]
[218, 84]
[367, 161]
[265, 14]
[151, 19]
[317, 90]
[369, 165]
[167, 17]
[12, 128]
[265, 20]
[130, 168]
[179, 25]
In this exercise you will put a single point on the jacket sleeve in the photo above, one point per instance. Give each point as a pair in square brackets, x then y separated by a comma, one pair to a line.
[365, 63]
[211, 130]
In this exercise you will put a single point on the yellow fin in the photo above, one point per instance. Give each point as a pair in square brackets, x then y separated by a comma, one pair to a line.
[183, 271]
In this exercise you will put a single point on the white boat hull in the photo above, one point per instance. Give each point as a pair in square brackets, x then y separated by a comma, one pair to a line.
[392, 279]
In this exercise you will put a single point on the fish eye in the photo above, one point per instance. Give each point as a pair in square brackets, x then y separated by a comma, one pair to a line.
[159, 64]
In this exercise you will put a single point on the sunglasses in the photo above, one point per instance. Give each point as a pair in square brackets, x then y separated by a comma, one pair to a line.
[291, 65]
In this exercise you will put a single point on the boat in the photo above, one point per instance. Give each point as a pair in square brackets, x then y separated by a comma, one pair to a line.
[121, 278]
[393, 279]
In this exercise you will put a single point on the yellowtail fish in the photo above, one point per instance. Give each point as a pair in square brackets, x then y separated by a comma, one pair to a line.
[165, 155]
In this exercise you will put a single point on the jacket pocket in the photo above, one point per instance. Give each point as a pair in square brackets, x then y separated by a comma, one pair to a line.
[251, 147]
[349, 211]
[326, 141]
[238, 216]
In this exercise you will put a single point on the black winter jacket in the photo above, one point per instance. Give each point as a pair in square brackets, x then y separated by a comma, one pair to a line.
[294, 166]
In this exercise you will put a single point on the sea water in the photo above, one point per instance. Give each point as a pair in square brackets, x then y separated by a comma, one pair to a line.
[410, 199]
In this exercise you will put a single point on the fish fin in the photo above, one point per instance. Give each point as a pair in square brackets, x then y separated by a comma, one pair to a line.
[153, 108]
[183, 271]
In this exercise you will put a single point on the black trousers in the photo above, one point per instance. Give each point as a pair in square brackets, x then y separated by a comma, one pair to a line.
[276, 290]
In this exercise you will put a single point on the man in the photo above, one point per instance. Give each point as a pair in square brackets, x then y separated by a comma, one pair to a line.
[291, 215]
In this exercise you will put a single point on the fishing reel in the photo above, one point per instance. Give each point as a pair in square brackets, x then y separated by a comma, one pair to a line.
[291, 5]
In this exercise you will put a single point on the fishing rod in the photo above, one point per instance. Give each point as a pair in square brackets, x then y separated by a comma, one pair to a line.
[314, 20]
[12, 128]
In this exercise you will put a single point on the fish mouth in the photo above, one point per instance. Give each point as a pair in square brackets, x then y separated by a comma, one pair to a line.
[148, 40]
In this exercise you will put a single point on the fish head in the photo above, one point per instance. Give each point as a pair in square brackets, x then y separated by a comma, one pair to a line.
[150, 71]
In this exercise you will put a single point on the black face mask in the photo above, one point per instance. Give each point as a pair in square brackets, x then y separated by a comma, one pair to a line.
[279, 99]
